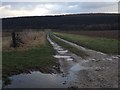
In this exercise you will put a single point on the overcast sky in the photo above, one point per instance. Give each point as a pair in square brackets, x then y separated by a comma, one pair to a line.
[14, 9]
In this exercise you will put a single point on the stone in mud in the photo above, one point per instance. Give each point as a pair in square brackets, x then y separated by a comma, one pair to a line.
[69, 59]
[63, 75]
[65, 82]
[61, 56]
[115, 57]
[62, 51]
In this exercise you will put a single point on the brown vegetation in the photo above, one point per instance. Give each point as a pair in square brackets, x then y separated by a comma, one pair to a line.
[105, 33]
[29, 38]
[32, 38]
[6, 42]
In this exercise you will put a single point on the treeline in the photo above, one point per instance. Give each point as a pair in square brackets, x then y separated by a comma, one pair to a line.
[63, 22]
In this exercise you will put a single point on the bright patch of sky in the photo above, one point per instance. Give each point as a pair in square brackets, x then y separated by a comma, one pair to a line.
[16, 8]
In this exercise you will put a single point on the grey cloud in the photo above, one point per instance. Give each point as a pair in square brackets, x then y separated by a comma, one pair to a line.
[84, 5]
[60, 8]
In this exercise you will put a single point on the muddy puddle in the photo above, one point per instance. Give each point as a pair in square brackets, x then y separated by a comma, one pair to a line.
[38, 80]
[91, 72]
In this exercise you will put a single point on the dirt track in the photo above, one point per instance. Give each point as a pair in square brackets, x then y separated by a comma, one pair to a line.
[98, 70]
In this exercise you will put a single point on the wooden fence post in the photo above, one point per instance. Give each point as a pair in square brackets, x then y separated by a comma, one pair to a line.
[14, 44]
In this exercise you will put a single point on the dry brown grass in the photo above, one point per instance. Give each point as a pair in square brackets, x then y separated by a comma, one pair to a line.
[105, 33]
[32, 38]
[29, 38]
[6, 42]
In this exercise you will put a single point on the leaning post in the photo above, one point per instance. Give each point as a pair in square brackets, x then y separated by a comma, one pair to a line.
[14, 44]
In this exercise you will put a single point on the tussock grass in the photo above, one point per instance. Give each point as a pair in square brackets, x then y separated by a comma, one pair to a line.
[29, 38]
[32, 38]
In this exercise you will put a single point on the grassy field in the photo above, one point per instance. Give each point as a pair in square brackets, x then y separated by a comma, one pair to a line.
[69, 47]
[38, 56]
[105, 45]
[114, 34]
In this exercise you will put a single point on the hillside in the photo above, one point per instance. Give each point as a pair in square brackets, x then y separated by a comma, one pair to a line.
[63, 22]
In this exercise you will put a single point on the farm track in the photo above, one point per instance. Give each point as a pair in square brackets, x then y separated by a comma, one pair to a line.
[97, 70]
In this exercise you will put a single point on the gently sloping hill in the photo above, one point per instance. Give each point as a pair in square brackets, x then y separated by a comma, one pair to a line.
[105, 45]
[69, 47]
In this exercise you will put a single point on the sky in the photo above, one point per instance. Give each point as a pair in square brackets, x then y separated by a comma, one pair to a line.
[15, 8]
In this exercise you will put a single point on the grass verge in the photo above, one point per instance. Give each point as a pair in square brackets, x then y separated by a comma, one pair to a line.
[69, 47]
[105, 45]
